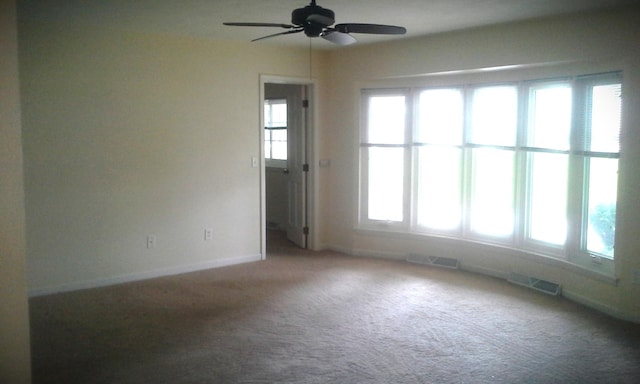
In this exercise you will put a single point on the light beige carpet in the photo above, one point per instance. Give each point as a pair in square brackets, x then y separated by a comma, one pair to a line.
[304, 317]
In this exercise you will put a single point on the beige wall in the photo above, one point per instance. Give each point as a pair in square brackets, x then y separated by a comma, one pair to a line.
[130, 134]
[588, 42]
[15, 363]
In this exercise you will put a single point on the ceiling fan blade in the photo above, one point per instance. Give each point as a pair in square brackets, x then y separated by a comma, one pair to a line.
[338, 37]
[377, 29]
[234, 24]
[281, 33]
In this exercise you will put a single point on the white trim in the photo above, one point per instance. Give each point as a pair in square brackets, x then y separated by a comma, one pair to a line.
[484, 271]
[262, 177]
[103, 282]
[379, 254]
[601, 307]
[336, 248]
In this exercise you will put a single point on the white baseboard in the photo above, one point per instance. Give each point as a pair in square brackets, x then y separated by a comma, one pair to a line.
[484, 271]
[103, 282]
[379, 254]
[335, 248]
[365, 253]
[598, 306]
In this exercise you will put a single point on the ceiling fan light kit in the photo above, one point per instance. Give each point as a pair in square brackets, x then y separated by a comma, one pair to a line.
[316, 21]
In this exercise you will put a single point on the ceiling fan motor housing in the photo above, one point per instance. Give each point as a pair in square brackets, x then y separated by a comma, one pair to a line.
[313, 18]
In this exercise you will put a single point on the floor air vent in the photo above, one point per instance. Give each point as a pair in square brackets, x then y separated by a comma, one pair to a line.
[533, 283]
[444, 262]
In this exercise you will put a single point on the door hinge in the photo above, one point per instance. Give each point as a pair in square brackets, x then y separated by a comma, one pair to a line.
[305, 230]
[305, 103]
[305, 167]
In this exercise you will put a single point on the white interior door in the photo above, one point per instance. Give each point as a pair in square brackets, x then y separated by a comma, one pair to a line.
[296, 163]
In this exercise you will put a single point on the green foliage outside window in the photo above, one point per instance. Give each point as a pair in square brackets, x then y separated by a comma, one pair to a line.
[603, 220]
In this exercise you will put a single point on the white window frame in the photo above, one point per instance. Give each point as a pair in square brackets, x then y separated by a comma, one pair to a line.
[525, 153]
[364, 161]
[270, 162]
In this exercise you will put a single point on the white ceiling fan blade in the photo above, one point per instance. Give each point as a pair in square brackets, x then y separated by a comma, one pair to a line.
[338, 37]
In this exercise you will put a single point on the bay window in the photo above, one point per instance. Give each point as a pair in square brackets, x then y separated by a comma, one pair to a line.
[530, 165]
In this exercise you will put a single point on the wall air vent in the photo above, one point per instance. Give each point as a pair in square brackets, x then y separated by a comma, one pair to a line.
[444, 262]
[534, 283]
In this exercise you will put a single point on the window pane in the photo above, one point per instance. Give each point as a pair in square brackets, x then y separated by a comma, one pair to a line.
[267, 149]
[492, 192]
[386, 184]
[275, 113]
[279, 115]
[603, 180]
[439, 194]
[606, 107]
[440, 116]
[386, 120]
[279, 134]
[279, 150]
[550, 117]
[548, 198]
[494, 115]
[275, 140]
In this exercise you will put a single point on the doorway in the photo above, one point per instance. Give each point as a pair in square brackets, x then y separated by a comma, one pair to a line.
[285, 146]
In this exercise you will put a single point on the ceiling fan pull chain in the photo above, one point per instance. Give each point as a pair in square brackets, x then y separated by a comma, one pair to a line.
[310, 62]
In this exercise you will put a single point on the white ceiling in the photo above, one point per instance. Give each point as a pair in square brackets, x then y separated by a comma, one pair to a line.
[203, 18]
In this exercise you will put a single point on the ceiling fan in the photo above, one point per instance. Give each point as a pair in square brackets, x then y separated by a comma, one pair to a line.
[316, 21]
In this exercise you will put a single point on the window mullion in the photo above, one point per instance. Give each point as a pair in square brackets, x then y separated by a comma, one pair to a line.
[409, 173]
[576, 194]
[522, 168]
[467, 163]
[413, 148]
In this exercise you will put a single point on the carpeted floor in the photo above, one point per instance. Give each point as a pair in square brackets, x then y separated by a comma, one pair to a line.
[304, 317]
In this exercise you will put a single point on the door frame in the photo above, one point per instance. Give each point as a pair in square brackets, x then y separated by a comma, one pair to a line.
[309, 154]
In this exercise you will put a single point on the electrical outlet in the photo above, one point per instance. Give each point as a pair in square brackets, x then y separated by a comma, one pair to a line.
[151, 241]
[208, 234]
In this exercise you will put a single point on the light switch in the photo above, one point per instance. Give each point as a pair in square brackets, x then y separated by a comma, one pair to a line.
[151, 241]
